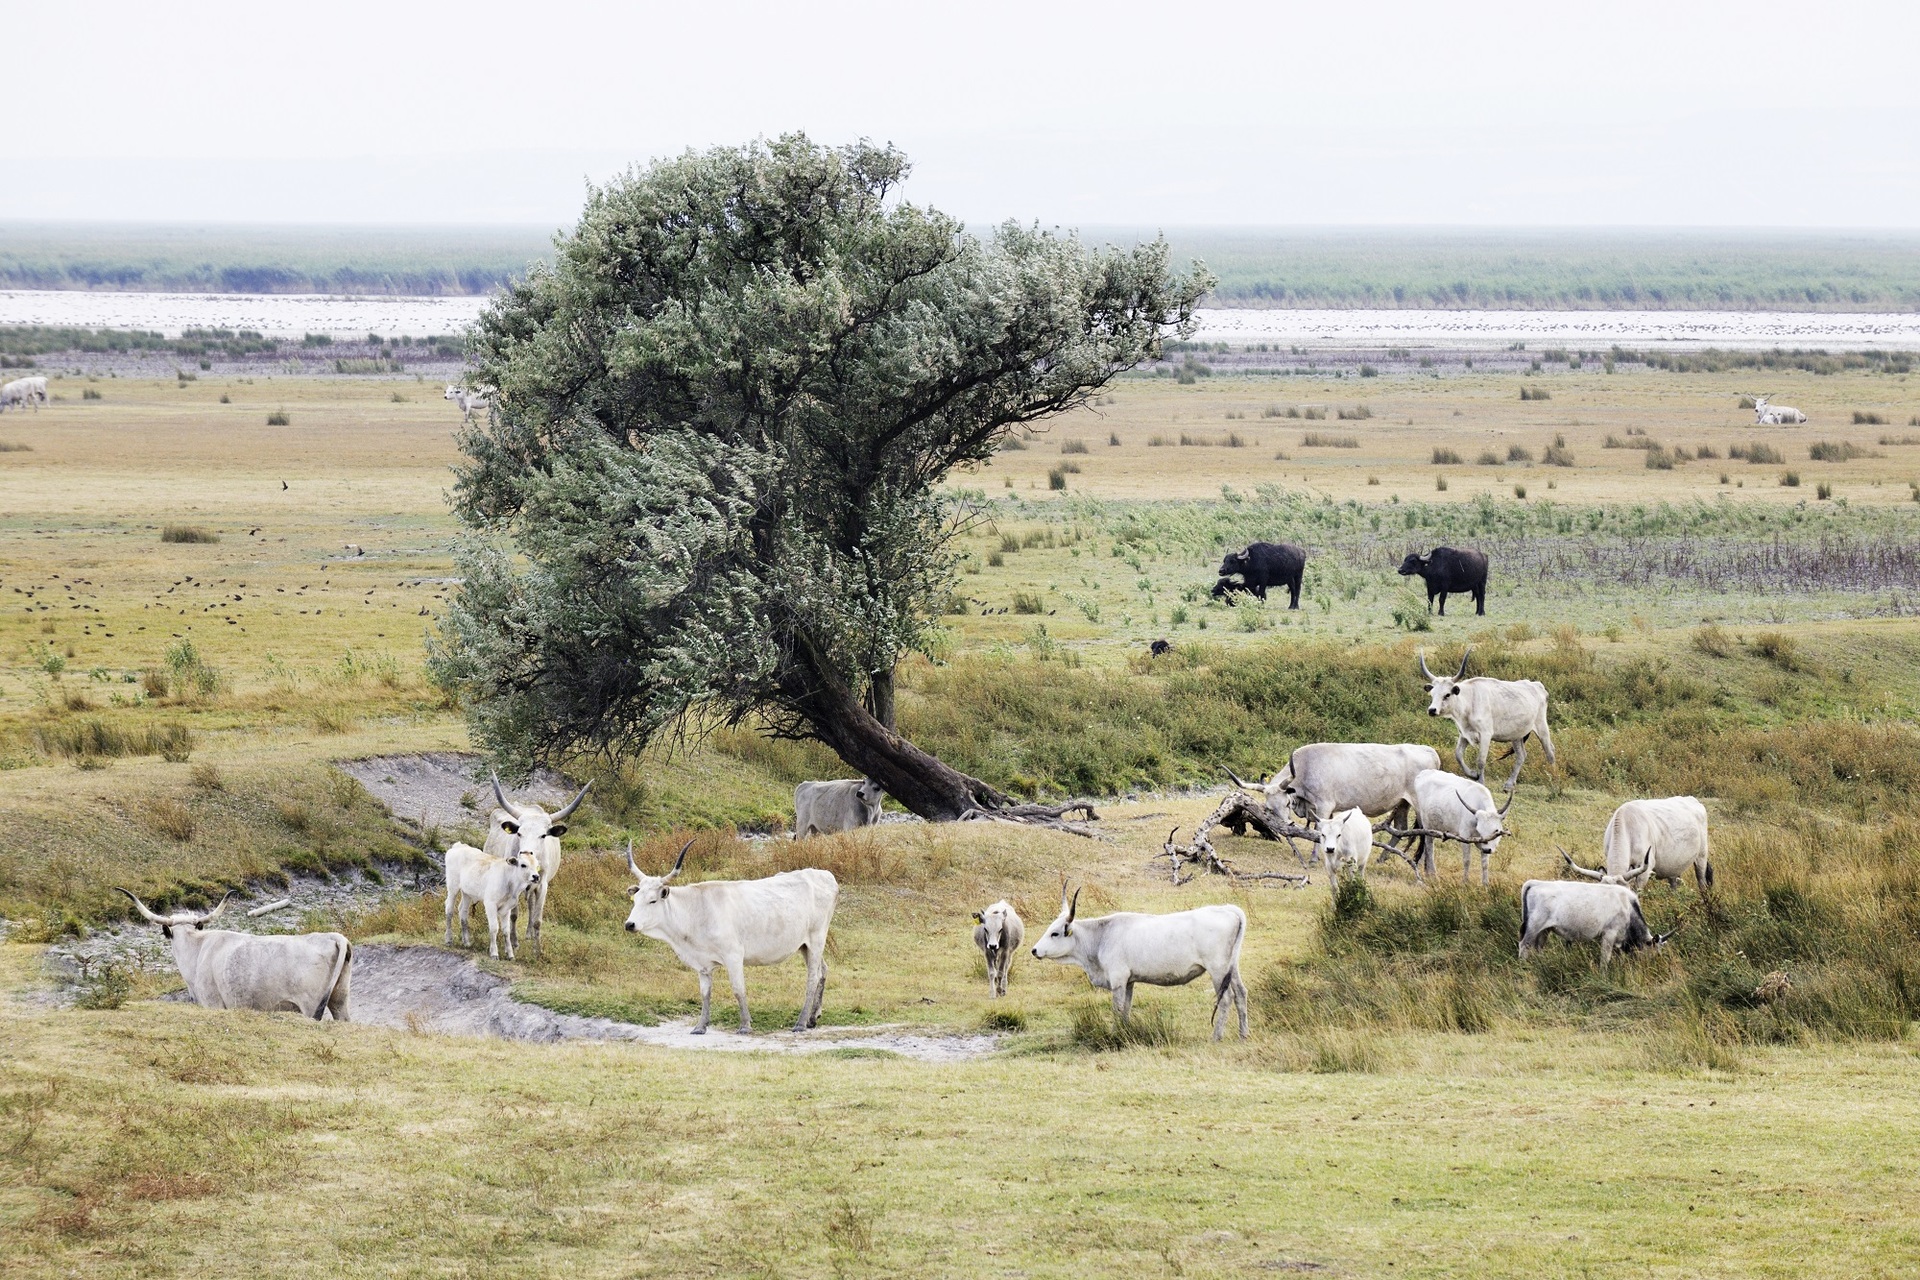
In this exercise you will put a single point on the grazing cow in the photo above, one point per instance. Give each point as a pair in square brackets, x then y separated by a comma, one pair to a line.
[469, 401]
[13, 393]
[527, 828]
[734, 923]
[1346, 842]
[1461, 808]
[1322, 778]
[1159, 649]
[998, 933]
[497, 884]
[1447, 571]
[1119, 950]
[1773, 415]
[824, 808]
[305, 972]
[1263, 565]
[1648, 839]
[36, 390]
[1605, 913]
[1485, 711]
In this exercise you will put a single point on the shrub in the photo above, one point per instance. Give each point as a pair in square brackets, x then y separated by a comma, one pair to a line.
[1557, 454]
[1660, 460]
[1440, 483]
[1790, 479]
[1865, 419]
[1073, 446]
[1445, 458]
[1759, 452]
[100, 739]
[1359, 413]
[1314, 415]
[1321, 440]
[1778, 648]
[1823, 491]
[106, 988]
[1707, 452]
[1519, 453]
[1712, 640]
[1837, 451]
[1535, 393]
[1012, 444]
[1057, 478]
[1900, 439]
[14, 446]
[1027, 602]
[171, 819]
[1113, 438]
[1487, 458]
[1096, 1030]
[279, 418]
[1520, 491]
[88, 393]
[1368, 371]
[187, 533]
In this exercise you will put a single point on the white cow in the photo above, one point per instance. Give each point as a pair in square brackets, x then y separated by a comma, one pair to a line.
[36, 390]
[305, 972]
[734, 923]
[13, 393]
[1322, 778]
[527, 828]
[1772, 415]
[1485, 711]
[1578, 912]
[497, 884]
[824, 808]
[469, 401]
[1119, 950]
[998, 932]
[1648, 839]
[1461, 808]
[1346, 842]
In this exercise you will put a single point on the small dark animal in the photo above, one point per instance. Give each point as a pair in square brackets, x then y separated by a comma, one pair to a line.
[1447, 571]
[1263, 565]
[1159, 649]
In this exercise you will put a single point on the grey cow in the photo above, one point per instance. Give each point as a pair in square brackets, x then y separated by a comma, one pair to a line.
[998, 932]
[825, 808]
[1580, 912]
[1172, 950]
[306, 973]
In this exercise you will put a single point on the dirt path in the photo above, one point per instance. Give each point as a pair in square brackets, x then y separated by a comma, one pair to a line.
[446, 789]
[425, 988]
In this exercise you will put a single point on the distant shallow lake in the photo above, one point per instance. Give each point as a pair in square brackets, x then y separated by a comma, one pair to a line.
[283, 315]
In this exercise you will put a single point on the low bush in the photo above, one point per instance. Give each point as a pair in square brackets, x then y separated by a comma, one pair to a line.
[1073, 446]
[1444, 457]
[1758, 452]
[1535, 393]
[1862, 418]
[1322, 440]
[279, 418]
[1519, 453]
[1487, 458]
[187, 533]
[1837, 451]
[1057, 478]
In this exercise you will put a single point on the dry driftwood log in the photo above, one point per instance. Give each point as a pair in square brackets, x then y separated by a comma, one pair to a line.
[1041, 815]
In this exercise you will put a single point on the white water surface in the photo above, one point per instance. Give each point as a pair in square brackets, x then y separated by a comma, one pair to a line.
[291, 315]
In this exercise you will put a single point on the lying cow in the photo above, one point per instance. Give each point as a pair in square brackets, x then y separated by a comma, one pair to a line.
[527, 828]
[826, 808]
[1346, 844]
[304, 972]
[1773, 415]
[998, 932]
[1654, 839]
[1605, 913]
[1463, 809]
[1485, 711]
[497, 884]
[1119, 950]
[735, 923]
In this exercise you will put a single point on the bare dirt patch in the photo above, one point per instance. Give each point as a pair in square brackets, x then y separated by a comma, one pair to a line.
[447, 789]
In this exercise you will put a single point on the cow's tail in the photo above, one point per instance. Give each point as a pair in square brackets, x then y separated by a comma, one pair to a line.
[1707, 878]
[333, 980]
[1526, 915]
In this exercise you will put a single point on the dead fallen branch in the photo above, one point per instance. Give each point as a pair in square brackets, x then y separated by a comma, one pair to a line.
[1201, 854]
[1052, 816]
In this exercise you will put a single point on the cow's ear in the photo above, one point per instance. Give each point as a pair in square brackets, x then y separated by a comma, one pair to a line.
[632, 889]
[557, 829]
[664, 891]
[978, 918]
[509, 826]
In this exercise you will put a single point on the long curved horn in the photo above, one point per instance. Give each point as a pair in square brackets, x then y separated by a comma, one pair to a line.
[1463, 662]
[1574, 866]
[574, 803]
[631, 864]
[1423, 665]
[144, 909]
[1073, 908]
[1238, 781]
[679, 861]
[501, 796]
[1634, 873]
[1502, 810]
[218, 907]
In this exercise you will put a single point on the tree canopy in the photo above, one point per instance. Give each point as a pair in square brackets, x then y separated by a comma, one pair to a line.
[711, 486]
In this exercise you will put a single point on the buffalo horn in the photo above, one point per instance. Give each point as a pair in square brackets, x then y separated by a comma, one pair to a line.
[679, 861]
[144, 909]
[574, 803]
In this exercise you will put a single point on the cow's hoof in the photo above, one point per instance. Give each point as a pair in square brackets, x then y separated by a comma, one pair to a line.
[699, 1031]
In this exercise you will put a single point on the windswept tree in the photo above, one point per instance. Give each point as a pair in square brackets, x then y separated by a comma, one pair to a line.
[711, 487]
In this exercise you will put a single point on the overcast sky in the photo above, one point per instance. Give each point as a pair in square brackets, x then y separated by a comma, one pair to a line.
[1680, 112]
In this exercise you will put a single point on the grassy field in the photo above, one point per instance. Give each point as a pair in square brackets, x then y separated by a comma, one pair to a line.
[1413, 1101]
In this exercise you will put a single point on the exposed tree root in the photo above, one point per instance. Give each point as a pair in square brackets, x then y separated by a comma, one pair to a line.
[1051, 816]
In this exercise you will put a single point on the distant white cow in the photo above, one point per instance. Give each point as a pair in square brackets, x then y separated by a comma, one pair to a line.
[14, 395]
[1577, 912]
[1346, 843]
[1461, 808]
[497, 884]
[307, 973]
[734, 923]
[1773, 415]
[36, 390]
[470, 401]
[1485, 711]
[824, 808]
[1119, 950]
[527, 828]
[998, 932]
[1648, 839]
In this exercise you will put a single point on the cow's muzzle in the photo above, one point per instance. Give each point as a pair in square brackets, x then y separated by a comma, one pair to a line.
[632, 927]
[1433, 711]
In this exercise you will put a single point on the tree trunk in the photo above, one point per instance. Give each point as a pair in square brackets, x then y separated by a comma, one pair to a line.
[923, 783]
[880, 697]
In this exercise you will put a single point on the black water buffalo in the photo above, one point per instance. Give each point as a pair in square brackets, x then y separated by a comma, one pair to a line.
[1263, 565]
[1448, 570]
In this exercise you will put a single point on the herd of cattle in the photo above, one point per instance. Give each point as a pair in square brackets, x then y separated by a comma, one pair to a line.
[1337, 789]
